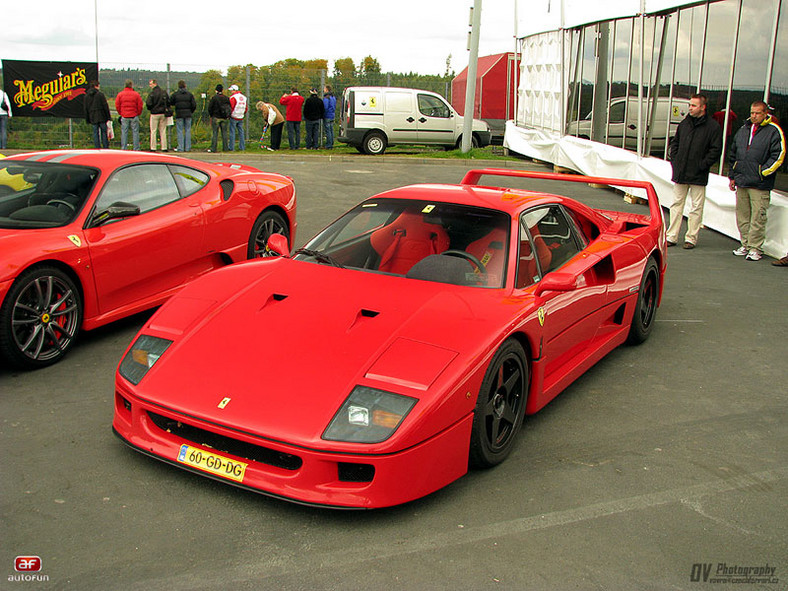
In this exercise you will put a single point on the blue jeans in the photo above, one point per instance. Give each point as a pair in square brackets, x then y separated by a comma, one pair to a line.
[294, 134]
[328, 125]
[100, 139]
[312, 134]
[3, 131]
[183, 125]
[134, 124]
[239, 125]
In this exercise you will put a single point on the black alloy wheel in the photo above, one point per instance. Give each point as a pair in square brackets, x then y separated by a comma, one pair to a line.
[500, 407]
[646, 307]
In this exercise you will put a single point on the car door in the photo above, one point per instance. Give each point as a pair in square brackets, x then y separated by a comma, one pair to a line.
[436, 120]
[139, 257]
[399, 118]
[551, 243]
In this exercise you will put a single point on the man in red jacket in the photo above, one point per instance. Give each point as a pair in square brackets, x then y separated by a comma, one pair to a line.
[293, 103]
[128, 104]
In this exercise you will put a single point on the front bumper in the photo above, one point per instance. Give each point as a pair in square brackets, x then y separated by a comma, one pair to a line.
[299, 474]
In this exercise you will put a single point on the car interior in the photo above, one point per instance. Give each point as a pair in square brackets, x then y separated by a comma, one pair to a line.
[441, 242]
[39, 195]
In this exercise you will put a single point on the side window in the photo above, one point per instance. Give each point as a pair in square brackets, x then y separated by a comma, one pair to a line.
[553, 235]
[616, 112]
[527, 267]
[432, 106]
[147, 186]
[189, 180]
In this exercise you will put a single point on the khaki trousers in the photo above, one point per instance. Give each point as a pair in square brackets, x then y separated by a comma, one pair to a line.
[697, 195]
[751, 206]
[158, 123]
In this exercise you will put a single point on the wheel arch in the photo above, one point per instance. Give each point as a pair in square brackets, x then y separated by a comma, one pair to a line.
[72, 274]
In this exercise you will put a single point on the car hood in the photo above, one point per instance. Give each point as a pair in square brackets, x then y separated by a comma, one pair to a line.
[288, 347]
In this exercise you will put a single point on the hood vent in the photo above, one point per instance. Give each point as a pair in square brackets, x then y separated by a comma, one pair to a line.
[362, 314]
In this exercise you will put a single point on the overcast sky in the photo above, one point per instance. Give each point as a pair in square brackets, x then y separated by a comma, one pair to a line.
[403, 35]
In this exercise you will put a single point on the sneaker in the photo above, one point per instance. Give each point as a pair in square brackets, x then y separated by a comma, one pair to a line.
[783, 262]
[754, 255]
[741, 251]
[688, 246]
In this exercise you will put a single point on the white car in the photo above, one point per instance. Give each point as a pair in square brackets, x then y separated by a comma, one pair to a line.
[374, 117]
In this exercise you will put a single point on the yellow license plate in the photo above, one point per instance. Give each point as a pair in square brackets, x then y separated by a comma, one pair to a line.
[211, 462]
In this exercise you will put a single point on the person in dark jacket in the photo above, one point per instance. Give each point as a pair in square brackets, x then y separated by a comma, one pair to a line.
[696, 146]
[313, 115]
[97, 114]
[219, 109]
[757, 153]
[157, 103]
[184, 105]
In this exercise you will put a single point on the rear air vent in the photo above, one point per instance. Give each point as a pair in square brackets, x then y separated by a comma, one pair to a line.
[227, 188]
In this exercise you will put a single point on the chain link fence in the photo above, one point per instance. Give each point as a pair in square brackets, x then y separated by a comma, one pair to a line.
[266, 83]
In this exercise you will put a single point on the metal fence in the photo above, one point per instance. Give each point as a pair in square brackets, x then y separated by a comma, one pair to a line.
[258, 83]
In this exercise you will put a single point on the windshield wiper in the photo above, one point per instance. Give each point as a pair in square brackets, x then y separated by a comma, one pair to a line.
[320, 257]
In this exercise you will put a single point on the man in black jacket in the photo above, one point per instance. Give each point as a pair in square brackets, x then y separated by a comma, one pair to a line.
[696, 146]
[219, 109]
[313, 115]
[157, 103]
[97, 114]
[184, 105]
[756, 154]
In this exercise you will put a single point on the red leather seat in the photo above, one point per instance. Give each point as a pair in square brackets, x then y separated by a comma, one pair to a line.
[408, 239]
[491, 251]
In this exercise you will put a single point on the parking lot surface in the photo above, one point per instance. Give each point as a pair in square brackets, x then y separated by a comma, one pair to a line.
[664, 467]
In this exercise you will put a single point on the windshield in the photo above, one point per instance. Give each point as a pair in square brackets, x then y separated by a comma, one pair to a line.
[430, 241]
[42, 195]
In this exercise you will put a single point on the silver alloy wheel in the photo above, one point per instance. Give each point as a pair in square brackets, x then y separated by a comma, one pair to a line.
[45, 317]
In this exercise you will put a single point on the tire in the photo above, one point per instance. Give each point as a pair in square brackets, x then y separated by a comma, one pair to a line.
[40, 318]
[474, 142]
[266, 224]
[500, 407]
[374, 143]
[646, 307]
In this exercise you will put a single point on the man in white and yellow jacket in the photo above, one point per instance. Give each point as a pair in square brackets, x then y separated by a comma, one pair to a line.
[756, 154]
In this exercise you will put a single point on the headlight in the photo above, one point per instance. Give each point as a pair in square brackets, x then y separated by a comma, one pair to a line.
[368, 416]
[144, 353]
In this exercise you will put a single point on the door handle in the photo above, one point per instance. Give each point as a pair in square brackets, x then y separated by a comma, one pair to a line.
[422, 120]
[410, 120]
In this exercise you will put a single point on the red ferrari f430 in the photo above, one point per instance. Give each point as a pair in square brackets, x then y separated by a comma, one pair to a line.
[88, 237]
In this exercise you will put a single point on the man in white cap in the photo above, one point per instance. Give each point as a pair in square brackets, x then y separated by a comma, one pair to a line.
[239, 105]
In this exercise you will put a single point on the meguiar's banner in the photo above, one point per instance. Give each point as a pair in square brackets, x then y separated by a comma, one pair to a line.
[47, 89]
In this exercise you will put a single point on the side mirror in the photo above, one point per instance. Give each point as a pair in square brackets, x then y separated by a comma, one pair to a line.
[116, 211]
[556, 282]
[277, 245]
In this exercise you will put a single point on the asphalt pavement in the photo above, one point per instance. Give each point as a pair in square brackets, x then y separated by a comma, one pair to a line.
[664, 467]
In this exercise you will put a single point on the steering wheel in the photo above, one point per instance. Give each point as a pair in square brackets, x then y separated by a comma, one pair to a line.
[468, 257]
[62, 202]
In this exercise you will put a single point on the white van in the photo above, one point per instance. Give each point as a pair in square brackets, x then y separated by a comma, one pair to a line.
[619, 107]
[374, 117]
